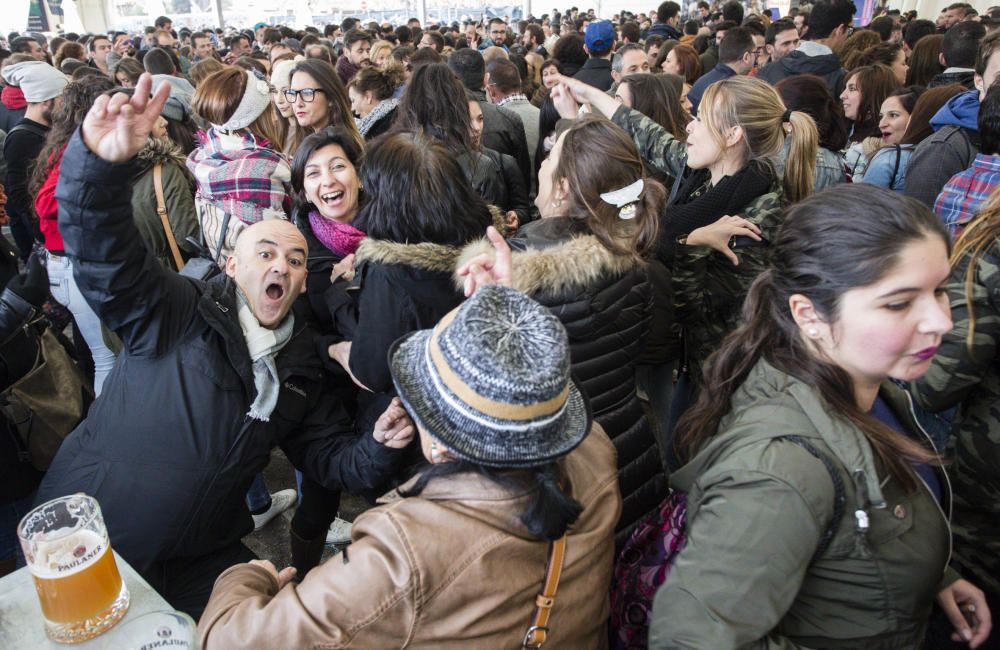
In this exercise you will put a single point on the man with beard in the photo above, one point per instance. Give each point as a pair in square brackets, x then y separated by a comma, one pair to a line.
[42, 85]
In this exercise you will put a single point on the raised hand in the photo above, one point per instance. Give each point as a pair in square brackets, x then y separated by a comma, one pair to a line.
[492, 268]
[586, 94]
[116, 127]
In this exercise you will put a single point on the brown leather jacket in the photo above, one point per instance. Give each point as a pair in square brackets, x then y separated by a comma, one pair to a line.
[450, 568]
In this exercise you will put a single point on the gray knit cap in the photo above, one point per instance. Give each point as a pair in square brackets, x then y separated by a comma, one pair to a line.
[491, 381]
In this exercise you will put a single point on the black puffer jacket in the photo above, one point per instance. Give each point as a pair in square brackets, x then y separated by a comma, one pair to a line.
[397, 289]
[168, 449]
[605, 302]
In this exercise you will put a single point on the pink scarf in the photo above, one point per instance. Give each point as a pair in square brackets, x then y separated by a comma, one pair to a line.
[341, 238]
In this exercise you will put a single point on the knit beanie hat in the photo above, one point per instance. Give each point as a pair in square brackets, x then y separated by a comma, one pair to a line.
[491, 381]
[37, 79]
[255, 100]
[281, 72]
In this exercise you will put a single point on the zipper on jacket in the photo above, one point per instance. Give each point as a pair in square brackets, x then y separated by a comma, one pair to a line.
[222, 308]
[951, 497]
[861, 521]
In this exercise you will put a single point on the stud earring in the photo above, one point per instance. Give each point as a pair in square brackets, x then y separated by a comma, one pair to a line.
[813, 332]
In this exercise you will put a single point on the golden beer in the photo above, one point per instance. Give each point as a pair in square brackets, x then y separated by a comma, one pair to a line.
[69, 556]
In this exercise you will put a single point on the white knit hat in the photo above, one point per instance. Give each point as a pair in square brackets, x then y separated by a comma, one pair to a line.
[255, 99]
[38, 80]
[281, 72]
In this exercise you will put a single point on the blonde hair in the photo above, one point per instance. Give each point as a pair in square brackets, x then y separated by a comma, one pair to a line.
[377, 48]
[755, 107]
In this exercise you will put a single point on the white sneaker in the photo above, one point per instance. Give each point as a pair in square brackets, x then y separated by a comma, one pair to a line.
[339, 533]
[280, 501]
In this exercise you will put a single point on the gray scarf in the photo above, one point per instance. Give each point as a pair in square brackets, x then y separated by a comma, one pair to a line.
[263, 344]
[381, 109]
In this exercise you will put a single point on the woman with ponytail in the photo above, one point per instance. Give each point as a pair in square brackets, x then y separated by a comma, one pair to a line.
[966, 374]
[516, 485]
[725, 168]
[586, 260]
[816, 506]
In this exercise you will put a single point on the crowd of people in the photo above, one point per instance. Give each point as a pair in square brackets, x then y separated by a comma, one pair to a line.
[522, 286]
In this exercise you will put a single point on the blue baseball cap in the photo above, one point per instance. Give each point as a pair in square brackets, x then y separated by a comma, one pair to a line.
[600, 35]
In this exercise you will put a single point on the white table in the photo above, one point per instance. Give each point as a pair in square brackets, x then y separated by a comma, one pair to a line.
[21, 623]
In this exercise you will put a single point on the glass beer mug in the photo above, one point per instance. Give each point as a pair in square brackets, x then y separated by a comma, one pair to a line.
[69, 556]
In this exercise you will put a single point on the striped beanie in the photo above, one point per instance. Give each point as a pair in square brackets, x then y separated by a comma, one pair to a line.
[491, 381]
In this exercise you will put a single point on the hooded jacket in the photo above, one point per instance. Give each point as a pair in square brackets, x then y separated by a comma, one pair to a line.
[174, 485]
[951, 148]
[969, 377]
[449, 569]
[757, 508]
[605, 302]
[826, 66]
[178, 197]
[668, 32]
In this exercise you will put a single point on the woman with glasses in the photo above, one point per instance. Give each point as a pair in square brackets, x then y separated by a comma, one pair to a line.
[319, 99]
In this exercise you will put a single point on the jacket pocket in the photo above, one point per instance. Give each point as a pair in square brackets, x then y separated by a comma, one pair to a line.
[210, 363]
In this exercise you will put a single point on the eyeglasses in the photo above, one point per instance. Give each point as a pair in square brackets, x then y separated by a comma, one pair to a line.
[308, 94]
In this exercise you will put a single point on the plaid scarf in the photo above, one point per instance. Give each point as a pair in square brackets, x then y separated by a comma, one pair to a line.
[241, 176]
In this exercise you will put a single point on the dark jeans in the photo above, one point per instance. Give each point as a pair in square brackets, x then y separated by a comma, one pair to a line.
[186, 582]
[317, 509]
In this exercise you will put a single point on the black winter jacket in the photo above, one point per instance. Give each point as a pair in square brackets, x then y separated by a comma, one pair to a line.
[605, 302]
[320, 265]
[397, 289]
[168, 449]
[503, 131]
[826, 66]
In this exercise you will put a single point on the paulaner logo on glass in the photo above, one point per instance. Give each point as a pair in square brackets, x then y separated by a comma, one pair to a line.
[81, 558]
[163, 643]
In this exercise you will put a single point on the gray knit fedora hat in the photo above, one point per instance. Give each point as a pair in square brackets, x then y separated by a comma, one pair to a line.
[491, 381]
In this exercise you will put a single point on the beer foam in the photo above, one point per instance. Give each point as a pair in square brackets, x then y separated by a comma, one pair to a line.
[64, 557]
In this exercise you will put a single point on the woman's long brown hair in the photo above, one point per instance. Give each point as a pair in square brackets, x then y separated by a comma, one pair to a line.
[821, 253]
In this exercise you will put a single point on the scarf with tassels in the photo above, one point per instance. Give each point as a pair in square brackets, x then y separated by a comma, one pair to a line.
[263, 345]
[341, 238]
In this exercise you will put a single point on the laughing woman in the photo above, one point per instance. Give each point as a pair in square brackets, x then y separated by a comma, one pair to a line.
[327, 192]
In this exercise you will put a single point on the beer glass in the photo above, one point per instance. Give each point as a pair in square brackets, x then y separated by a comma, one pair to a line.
[69, 556]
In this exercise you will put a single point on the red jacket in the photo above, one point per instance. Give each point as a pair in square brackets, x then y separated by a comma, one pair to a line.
[48, 208]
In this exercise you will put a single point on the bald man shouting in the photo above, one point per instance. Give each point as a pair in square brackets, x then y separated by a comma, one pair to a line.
[212, 376]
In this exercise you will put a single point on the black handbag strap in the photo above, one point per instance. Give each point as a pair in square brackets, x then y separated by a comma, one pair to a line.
[895, 169]
[839, 498]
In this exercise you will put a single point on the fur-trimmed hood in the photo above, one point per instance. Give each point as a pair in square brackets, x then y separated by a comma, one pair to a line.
[160, 151]
[425, 255]
[574, 264]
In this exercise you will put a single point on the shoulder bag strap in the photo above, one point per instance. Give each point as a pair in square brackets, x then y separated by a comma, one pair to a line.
[538, 632]
[839, 497]
[222, 238]
[895, 169]
[161, 209]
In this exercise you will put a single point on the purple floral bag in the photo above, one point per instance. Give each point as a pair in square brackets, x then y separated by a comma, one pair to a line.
[641, 568]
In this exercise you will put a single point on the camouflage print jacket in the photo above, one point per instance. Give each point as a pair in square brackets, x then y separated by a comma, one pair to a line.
[708, 289]
[969, 377]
